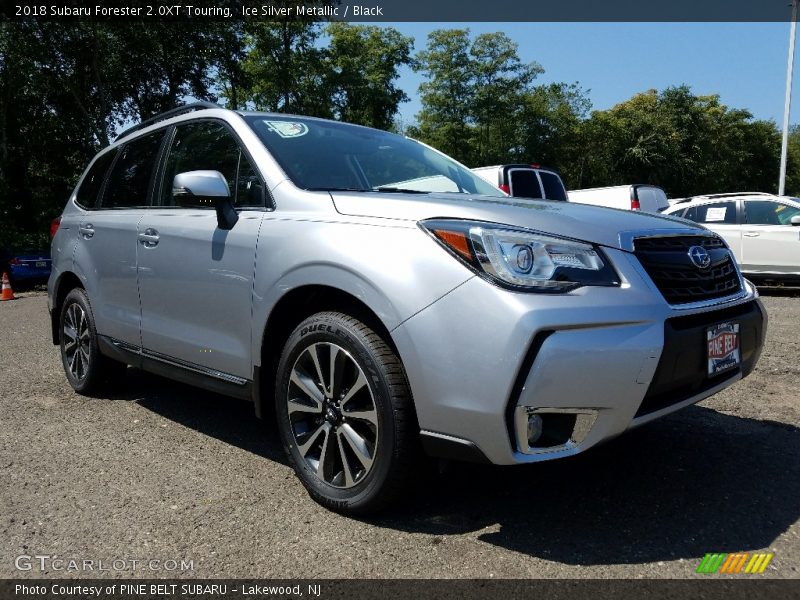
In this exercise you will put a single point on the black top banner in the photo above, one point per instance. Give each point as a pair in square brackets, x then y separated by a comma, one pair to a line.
[392, 11]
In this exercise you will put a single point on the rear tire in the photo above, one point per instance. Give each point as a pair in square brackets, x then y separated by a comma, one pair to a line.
[345, 414]
[87, 371]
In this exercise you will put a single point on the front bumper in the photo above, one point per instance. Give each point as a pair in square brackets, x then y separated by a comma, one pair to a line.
[600, 360]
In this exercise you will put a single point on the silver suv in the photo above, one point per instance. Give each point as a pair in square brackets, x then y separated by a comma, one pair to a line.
[302, 264]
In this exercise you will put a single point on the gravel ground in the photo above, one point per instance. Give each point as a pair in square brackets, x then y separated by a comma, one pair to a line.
[163, 471]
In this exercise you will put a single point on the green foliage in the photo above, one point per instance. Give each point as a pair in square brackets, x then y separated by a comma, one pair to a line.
[364, 63]
[474, 94]
[66, 88]
[685, 143]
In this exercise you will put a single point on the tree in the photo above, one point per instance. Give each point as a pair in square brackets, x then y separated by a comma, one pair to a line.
[685, 143]
[285, 68]
[67, 87]
[364, 63]
[473, 94]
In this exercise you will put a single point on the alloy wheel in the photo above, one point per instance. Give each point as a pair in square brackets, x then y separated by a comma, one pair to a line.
[77, 338]
[333, 415]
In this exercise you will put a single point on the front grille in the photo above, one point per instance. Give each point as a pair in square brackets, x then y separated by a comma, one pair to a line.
[680, 281]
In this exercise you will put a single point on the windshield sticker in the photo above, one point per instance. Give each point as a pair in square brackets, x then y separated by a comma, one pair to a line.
[287, 129]
[716, 213]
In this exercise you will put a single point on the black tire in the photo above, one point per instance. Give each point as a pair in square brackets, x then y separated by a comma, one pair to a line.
[382, 397]
[90, 372]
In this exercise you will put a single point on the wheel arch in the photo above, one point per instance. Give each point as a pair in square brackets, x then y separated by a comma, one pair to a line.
[294, 307]
[66, 282]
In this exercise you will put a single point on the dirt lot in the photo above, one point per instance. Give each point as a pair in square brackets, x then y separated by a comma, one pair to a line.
[163, 471]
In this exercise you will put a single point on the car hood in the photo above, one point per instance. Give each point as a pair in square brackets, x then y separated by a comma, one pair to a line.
[596, 224]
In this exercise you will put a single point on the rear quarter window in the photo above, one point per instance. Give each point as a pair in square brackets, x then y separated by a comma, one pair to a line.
[553, 187]
[129, 183]
[723, 213]
[90, 187]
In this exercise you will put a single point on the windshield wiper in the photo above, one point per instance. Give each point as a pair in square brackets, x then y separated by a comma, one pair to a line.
[335, 189]
[398, 190]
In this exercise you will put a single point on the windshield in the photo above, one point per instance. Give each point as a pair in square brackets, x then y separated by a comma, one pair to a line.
[327, 155]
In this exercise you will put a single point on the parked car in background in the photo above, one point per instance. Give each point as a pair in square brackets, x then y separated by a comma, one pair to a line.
[25, 267]
[525, 181]
[646, 198]
[282, 259]
[762, 230]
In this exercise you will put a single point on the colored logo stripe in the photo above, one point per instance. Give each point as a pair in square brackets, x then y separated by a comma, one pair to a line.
[711, 563]
[759, 562]
[734, 563]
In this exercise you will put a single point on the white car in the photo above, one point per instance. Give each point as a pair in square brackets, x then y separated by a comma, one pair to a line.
[762, 230]
[637, 196]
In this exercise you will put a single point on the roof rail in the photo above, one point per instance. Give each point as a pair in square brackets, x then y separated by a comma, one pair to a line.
[734, 194]
[167, 115]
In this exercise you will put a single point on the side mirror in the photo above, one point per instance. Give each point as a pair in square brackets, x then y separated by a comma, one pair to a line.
[205, 189]
[795, 220]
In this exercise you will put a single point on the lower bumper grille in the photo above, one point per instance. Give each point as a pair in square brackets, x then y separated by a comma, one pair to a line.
[682, 369]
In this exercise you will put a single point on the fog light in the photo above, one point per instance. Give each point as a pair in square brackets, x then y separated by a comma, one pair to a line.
[534, 429]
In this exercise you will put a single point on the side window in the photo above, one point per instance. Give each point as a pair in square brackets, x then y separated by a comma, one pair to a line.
[93, 182]
[129, 182]
[764, 212]
[553, 188]
[209, 146]
[720, 213]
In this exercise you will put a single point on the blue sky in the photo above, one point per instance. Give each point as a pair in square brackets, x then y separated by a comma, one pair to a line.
[745, 63]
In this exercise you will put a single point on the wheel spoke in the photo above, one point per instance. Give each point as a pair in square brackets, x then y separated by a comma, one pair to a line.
[358, 444]
[348, 475]
[312, 351]
[73, 363]
[296, 405]
[70, 332]
[361, 381]
[306, 446]
[363, 415]
[334, 372]
[307, 386]
[323, 455]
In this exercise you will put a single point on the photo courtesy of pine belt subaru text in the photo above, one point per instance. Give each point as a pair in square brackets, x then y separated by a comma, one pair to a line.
[375, 297]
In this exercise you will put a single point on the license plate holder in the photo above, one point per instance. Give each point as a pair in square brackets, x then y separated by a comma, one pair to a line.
[723, 348]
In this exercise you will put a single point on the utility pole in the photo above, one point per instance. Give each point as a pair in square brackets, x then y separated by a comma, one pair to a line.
[788, 102]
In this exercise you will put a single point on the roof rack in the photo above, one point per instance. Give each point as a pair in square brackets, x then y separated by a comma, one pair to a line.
[167, 115]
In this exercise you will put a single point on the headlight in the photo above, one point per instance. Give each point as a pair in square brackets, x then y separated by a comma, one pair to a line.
[521, 259]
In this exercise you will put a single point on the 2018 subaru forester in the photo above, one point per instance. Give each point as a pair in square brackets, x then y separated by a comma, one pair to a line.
[372, 293]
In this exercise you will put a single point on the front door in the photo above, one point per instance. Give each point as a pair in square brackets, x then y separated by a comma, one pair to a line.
[195, 279]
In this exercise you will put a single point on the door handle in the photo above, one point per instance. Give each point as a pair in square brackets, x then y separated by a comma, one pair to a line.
[751, 234]
[149, 239]
[87, 230]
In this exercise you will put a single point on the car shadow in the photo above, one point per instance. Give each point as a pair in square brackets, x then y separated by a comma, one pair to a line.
[695, 482]
[698, 481]
[227, 419]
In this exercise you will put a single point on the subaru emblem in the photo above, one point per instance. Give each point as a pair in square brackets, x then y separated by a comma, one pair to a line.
[700, 257]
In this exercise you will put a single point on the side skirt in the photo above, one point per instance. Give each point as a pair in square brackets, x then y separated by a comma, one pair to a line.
[173, 368]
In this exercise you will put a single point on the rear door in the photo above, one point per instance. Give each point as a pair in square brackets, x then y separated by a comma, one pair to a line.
[105, 253]
[722, 218]
[196, 280]
[770, 243]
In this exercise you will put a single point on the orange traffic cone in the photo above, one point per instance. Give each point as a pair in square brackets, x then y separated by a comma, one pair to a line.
[8, 293]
